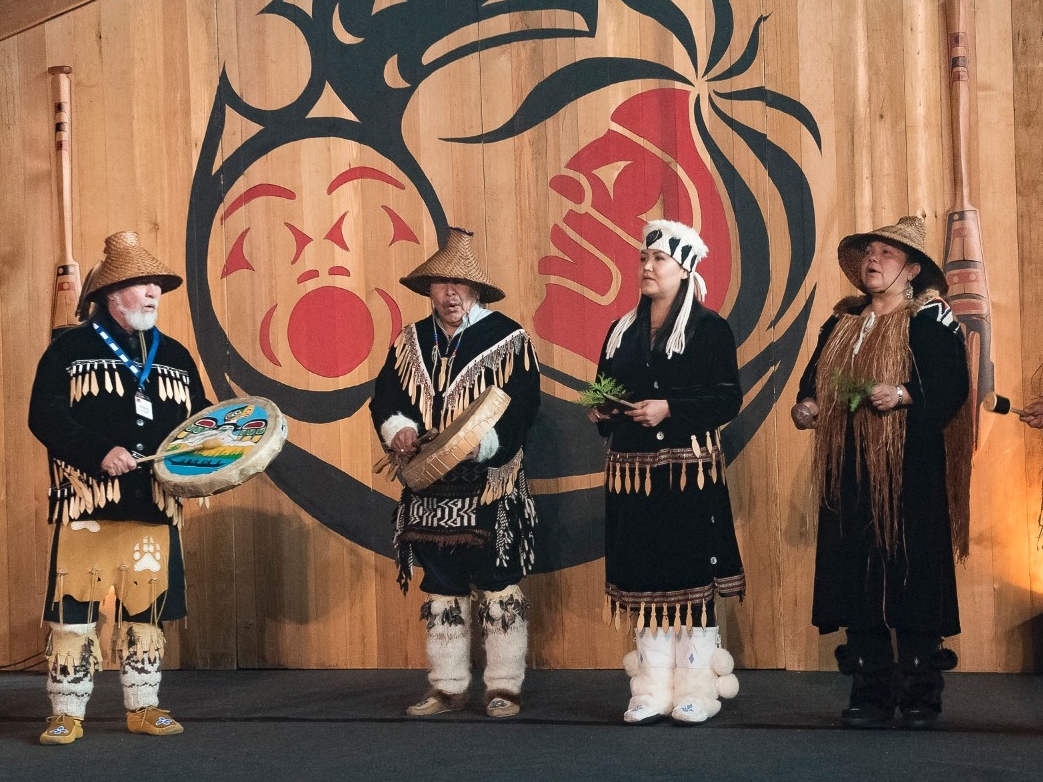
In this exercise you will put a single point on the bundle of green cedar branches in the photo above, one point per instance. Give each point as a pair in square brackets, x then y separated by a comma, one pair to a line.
[604, 392]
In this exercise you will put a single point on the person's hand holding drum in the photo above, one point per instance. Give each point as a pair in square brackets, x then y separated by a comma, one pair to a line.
[1033, 414]
[404, 444]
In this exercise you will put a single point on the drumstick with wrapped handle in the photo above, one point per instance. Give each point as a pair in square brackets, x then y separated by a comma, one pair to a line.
[994, 403]
[213, 442]
[67, 272]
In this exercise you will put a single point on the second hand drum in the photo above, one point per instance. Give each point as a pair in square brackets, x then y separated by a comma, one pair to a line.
[456, 441]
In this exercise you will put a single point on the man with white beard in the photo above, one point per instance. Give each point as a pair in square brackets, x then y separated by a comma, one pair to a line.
[107, 393]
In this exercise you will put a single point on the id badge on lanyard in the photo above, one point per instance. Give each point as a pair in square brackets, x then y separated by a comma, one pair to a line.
[142, 404]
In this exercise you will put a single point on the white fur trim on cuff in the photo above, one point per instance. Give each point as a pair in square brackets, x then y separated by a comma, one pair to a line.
[488, 447]
[83, 630]
[395, 424]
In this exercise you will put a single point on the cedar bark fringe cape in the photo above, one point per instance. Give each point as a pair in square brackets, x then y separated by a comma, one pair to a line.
[866, 349]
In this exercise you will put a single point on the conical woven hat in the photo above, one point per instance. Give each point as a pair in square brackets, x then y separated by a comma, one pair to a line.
[126, 260]
[909, 234]
[454, 261]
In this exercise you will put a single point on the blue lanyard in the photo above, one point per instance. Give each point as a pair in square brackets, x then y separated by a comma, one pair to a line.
[140, 373]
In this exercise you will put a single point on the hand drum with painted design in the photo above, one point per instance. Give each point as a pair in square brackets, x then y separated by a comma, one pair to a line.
[221, 447]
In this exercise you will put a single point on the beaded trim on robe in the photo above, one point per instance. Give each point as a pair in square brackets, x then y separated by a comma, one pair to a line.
[84, 381]
[627, 472]
[467, 385]
[664, 609]
[74, 492]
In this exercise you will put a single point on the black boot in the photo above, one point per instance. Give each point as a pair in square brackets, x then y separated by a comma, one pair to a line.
[871, 704]
[920, 684]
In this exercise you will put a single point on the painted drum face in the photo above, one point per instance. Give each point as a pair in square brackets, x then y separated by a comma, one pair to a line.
[220, 447]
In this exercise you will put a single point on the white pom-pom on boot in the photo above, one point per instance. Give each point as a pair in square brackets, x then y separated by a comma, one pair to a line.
[722, 663]
[703, 673]
[651, 670]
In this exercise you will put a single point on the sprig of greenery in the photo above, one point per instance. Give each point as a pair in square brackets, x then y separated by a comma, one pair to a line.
[850, 390]
[594, 395]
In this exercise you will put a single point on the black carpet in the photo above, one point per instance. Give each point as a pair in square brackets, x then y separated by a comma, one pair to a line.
[348, 725]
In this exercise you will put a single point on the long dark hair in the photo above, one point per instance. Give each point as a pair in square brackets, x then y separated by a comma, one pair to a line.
[644, 318]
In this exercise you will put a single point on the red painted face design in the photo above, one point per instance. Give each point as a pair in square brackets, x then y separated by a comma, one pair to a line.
[646, 166]
[307, 275]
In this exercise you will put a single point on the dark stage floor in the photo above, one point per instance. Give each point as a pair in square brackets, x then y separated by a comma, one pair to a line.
[348, 725]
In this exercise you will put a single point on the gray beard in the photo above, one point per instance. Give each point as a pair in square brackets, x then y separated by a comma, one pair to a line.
[140, 321]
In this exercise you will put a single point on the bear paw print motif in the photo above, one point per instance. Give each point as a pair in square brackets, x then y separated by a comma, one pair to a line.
[147, 555]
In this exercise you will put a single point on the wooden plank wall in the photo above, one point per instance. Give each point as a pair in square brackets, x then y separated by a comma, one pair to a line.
[272, 587]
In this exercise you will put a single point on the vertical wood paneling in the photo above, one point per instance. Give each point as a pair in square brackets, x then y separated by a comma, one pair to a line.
[1025, 308]
[271, 587]
[817, 85]
[24, 312]
[756, 512]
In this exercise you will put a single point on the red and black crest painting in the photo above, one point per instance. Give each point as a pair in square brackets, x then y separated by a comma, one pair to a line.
[326, 260]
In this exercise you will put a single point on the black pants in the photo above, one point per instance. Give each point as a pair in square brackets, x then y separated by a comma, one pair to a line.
[454, 570]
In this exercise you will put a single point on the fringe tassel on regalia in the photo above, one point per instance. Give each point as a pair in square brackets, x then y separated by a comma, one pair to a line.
[869, 349]
[74, 493]
[493, 367]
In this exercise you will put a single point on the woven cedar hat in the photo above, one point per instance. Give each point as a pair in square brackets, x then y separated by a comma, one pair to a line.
[125, 262]
[455, 260]
[908, 234]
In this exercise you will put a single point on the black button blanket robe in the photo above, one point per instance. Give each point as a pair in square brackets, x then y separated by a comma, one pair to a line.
[669, 534]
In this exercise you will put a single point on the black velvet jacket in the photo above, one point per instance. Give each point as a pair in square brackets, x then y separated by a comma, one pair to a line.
[701, 385]
[77, 411]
